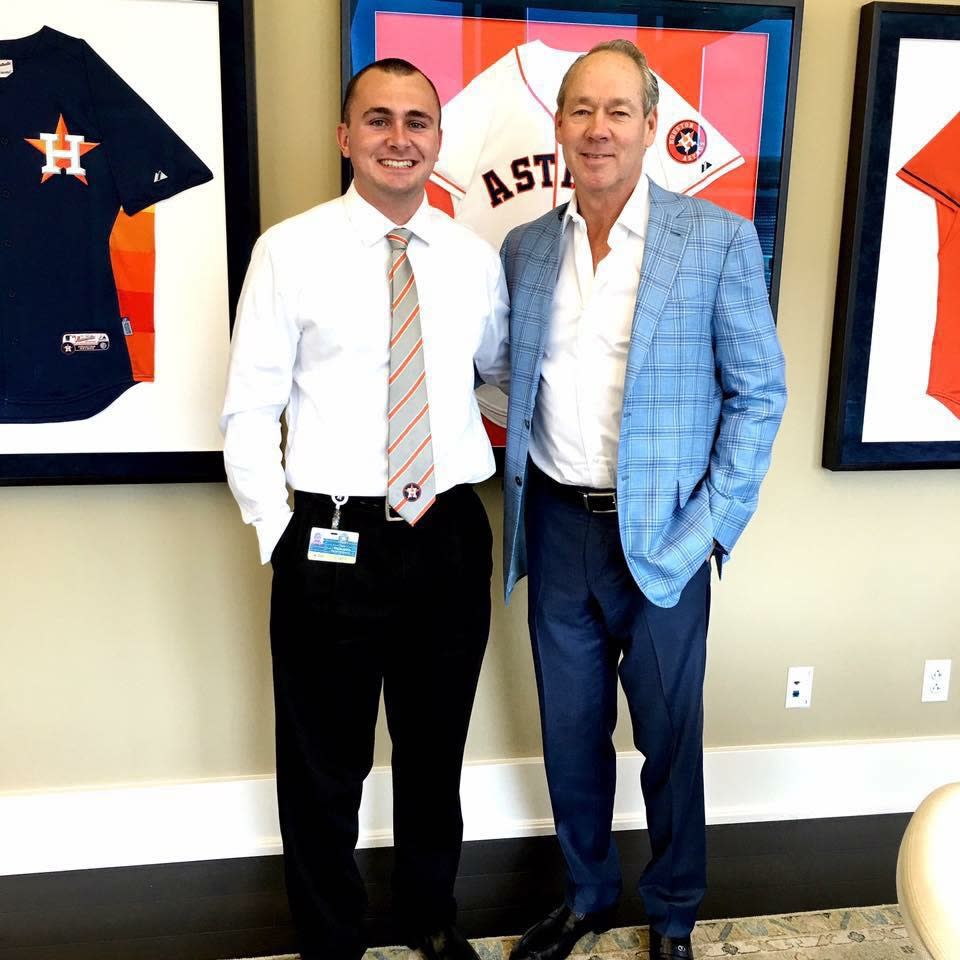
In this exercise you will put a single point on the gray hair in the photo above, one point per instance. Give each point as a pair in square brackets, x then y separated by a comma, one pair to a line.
[651, 91]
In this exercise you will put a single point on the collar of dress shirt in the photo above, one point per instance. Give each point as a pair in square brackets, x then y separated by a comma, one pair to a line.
[633, 217]
[372, 226]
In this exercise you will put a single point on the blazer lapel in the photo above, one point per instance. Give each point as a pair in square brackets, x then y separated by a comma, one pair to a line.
[662, 251]
[543, 261]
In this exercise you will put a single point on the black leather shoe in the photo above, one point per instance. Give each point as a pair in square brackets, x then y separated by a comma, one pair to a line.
[554, 937]
[446, 944]
[669, 948]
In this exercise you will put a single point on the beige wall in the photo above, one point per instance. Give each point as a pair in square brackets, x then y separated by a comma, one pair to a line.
[133, 618]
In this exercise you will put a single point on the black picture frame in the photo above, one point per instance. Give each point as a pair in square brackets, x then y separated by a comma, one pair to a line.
[869, 177]
[359, 47]
[241, 226]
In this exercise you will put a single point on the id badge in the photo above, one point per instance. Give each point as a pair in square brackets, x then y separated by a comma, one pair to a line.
[333, 546]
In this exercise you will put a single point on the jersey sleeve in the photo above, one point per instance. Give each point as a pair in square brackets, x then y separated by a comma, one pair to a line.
[148, 161]
[465, 122]
[935, 169]
[689, 152]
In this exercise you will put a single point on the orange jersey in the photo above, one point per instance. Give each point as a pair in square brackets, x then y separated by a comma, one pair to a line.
[935, 171]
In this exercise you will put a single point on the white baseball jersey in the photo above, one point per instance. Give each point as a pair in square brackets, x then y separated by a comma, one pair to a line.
[500, 160]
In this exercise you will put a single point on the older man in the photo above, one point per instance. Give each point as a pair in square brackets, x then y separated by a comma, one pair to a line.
[647, 387]
[363, 319]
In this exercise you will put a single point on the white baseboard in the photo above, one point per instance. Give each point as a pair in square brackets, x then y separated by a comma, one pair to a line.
[168, 823]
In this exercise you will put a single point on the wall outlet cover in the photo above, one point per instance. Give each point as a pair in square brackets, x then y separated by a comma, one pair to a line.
[936, 681]
[799, 687]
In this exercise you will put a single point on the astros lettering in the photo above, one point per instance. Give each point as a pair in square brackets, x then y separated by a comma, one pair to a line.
[526, 173]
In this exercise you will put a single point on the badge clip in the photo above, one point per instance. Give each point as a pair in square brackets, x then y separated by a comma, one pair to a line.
[339, 500]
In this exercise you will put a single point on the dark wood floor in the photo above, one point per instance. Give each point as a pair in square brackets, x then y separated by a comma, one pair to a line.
[230, 908]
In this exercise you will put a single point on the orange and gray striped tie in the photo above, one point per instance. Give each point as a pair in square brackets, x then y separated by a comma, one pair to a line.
[411, 487]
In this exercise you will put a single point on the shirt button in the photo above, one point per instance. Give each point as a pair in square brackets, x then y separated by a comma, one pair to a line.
[518, 481]
[4, 141]
[5, 194]
[11, 294]
[8, 243]
[526, 423]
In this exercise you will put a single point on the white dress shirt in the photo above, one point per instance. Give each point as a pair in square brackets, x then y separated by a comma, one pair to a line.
[576, 425]
[312, 338]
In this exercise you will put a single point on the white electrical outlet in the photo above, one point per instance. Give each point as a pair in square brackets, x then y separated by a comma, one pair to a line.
[799, 687]
[936, 681]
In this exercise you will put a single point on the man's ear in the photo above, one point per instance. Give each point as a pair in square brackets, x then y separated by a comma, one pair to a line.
[343, 139]
[651, 119]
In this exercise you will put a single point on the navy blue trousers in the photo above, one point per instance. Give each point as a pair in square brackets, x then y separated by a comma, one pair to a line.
[590, 621]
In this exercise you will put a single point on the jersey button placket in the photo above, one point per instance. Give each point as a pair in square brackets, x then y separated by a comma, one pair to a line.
[5, 242]
[7, 296]
[7, 271]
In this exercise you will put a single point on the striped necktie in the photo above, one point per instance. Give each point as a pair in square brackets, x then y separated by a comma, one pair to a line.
[411, 485]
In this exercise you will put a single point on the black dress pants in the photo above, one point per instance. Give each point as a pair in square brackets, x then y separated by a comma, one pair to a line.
[411, 616]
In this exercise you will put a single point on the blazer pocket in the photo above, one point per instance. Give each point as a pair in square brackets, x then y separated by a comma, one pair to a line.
[686, 485]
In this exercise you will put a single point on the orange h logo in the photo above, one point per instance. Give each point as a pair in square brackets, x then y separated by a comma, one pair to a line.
[63, 151]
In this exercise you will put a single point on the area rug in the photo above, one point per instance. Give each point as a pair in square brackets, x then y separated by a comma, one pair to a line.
[863, 933]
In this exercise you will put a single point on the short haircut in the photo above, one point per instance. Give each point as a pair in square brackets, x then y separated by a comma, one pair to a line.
[651, 90]
[394, 65]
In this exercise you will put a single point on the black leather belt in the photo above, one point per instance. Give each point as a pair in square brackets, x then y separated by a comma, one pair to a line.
[589, 499]
[305, 499]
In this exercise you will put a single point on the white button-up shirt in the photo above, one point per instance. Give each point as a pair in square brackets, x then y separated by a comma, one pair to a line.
[312, 338]
[576, 425]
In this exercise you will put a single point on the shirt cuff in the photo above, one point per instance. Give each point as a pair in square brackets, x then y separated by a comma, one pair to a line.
[269, 532]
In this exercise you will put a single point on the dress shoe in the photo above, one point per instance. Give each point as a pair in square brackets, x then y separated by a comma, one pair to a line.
[554, 937]
[669, 948]
[448, 943]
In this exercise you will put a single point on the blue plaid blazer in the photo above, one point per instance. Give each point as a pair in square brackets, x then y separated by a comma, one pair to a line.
[703, 392]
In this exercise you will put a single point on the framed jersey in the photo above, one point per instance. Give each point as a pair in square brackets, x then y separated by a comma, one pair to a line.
[125, 231]
[726, 72]
[894, 391]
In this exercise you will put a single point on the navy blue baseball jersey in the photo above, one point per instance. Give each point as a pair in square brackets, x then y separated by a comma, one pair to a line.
[77, 144]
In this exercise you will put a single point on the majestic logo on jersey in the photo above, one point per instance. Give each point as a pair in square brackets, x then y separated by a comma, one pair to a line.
[686, 141]
[63, 150]
[84, 342]
[158, 176]
[524, 178]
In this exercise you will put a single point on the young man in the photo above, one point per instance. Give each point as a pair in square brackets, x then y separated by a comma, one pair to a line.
[363, 319]
[647, 387]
